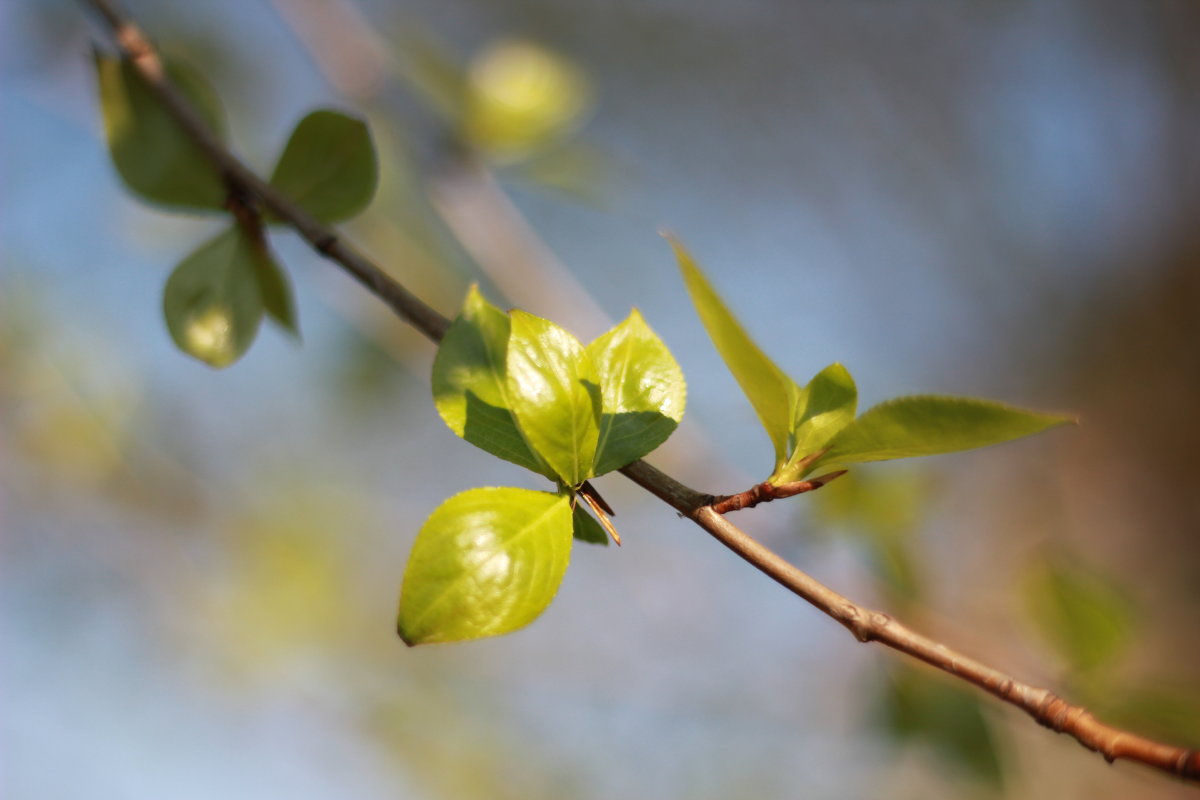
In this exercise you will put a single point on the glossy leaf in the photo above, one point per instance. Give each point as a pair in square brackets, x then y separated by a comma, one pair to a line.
[586, 528]
[212, 301]
[155, 158]
[1087, 619]
[470, 386]
[929, 425]
[555, 395]
[642, 393]
[328, 167]
[919, 708]
[485, 563]
[770, 391]
[822, 409]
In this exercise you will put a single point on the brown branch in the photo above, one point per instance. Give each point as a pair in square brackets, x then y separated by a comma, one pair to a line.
[766, 491]
[867, 625]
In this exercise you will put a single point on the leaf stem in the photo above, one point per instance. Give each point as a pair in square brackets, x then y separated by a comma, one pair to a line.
[766, 491]
[866, 624]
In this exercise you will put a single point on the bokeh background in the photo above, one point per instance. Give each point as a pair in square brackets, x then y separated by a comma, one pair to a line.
[999, 197]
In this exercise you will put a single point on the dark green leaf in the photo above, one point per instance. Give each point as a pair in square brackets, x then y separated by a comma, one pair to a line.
[642, 393]
[587, 529]
[947, 718]
[554, 393]
[929, 425]
[485, 563]
[212, 301]
[470, 387]
[822, 409]
[155, 158]
[276, 291]
[1080, 612]
[772, 393]
[328, 167]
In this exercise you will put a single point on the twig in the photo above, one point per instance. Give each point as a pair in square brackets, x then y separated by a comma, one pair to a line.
[766, 491]
[867, 625]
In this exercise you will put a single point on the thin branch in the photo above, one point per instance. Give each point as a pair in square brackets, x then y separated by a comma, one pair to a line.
[866, 624]
[766, 491]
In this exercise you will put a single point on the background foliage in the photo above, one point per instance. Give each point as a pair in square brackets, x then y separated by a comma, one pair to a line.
[201, 569]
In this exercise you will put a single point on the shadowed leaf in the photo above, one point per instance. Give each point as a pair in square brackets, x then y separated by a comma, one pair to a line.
[328, 167]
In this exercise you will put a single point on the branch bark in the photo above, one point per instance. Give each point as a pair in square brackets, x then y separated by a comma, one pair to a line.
[867, 625]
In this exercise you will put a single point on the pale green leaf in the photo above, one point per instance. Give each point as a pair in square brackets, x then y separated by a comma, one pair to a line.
[1079, 612]
[928, 425]
[822, 409]
[770, 391]
[554, 394]
[642, 393]
[153, 154]
[485, 563]
[587, 529]
[328, 167]
[470, 387]
[212, 301]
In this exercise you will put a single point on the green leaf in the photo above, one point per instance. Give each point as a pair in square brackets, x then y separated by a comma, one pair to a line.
[947, 718]
[212, 301]
[770, 391]
[276, 291]
[555, 395]
[470, 386]
[822, 409]
[485, 563]
[153, 154]
[1079, 612]
[642, 393]
[586, 528]
[1170, 711]
[928, 425]
[328, 167]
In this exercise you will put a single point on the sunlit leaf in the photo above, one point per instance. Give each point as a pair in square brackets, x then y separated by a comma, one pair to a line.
[642, 393]
[212, 301]
[554, 393]
[587, 529]
[770, 391]
[929, 425]
[470, 387]
[946, 717]
[155, 158]
[485, 563]
[1080, 612]
[822, 409]
[328, 167]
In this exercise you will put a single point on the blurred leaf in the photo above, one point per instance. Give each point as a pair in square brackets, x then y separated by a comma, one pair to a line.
[586, 528]
[555, 395]
[893, 562]
[642, 393]
[431, 69]
[770, 391]
[470, 386]
[485, 563]
[328, 167]
[155, 158]
[822, 408]
[930, 425]
[579, 171]
[1080, 612]
[522, 97]
[946, 717]
[276, 289]
[1171, 712]
[212, 301]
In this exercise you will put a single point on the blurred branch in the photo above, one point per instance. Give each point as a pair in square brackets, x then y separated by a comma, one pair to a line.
[866, 624]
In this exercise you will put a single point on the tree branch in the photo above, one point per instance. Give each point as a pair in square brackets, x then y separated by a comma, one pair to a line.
[866, 624]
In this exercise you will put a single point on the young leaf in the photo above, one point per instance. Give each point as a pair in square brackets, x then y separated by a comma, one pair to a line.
[823, 408]
[328, 167]
[642, 393]
[486, 562]
[770, 391]
[470, 386]
[928, 425]
[586, 528]
[555, 395]
[155, 158]
[212, 301]
[1079, 612]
